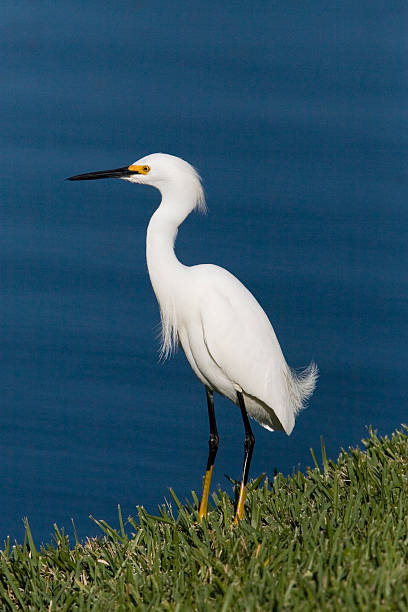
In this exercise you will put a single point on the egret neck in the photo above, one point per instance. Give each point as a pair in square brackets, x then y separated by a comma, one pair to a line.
[162, 262]
[178, 199]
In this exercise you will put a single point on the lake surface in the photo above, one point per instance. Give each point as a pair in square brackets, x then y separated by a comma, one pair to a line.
[296, 117]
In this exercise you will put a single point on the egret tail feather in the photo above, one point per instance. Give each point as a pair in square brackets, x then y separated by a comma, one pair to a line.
[303, 385]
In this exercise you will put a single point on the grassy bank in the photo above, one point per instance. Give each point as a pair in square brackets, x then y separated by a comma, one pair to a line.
[333, 539]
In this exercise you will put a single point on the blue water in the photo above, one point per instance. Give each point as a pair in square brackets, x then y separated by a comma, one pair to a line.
[296, 116]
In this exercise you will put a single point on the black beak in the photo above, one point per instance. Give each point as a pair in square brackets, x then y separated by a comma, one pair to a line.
[116, 173]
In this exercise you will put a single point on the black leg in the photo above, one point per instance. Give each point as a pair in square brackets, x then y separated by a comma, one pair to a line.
[249, 444]
[212, 452]
[214, 439]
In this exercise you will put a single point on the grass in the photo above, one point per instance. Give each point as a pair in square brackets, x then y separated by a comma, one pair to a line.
[333, 539]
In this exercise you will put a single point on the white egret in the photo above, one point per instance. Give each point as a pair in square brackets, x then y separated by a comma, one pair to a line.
[226, 336]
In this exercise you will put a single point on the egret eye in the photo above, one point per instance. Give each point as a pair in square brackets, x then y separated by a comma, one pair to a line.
[146, 169]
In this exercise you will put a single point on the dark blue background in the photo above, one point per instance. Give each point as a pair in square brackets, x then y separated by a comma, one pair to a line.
[296, 116]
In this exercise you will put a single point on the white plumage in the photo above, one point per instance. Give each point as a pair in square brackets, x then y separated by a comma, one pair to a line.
[226, 336]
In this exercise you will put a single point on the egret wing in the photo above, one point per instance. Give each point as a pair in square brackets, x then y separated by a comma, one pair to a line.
[242, 342]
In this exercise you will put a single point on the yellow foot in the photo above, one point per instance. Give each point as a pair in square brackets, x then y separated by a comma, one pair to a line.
[206, 491]
[240, 506]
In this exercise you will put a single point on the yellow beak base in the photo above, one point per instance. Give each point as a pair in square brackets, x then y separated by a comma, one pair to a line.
[139, 169]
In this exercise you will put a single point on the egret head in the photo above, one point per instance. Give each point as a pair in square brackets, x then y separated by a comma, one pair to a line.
[169, 174]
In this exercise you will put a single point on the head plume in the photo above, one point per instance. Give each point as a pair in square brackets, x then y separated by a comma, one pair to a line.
[167, 171]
